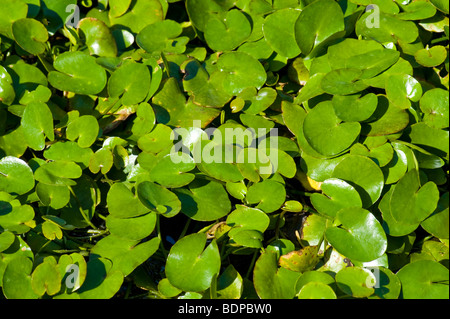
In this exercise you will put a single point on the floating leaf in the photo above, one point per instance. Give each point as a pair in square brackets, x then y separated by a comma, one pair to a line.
[15, 176]
[400, 89]
[162, 36]
[37, 123]
[99, 38]
[78, 73]
[326, 133]
[228, 33]
[158, 199]
[358, 235]
[190, 266]
[328, 24]
[30, 34]
[434, 104]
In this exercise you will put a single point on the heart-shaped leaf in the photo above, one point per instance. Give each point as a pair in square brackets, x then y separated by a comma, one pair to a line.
[158, 199]
[37, 123]
[279, 33]
[435, 106]
[358, 235]
[142, 226]
[354, 108]
[355, 281]
[30, 34]
[400, 89]
[364, 175]
[17, 279]
[125, 254]
[77, 72]
[15, 176]
[99, 38]
[190, 266]
[431, 57]
[269, 195]
[122, 203]
[424, 279]
[131, 81]
[241, 71]
[328, 24]
[162, 36]
[325, 132]
[343, 81]
[300, 260]
[204, 200]
[228, 33]
[84, 129]
[339, 194]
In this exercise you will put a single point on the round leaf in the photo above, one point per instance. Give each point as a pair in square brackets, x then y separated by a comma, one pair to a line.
[431, 57]
[15, 176]
[78, 73]
[31, 35]
[154, 197]
[359, 235]
[190, 266]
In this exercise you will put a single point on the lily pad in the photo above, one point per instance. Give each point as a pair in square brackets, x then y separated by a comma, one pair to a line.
[15, 176]
[77, 72]
[190, 266]
[339, 194]
[228, 33]
[357, 234]
[204, 200]
[354, 108]
[278, 30]
[301, 260]
[400, 89]
[58, 173]
[355, 281]
[364, 175]
[131, 82]
[437, 222]
[30, 34]
[241, 71]
[269, 195]
[343, 81]
[37, 123]
[122, 203]
[319, 22]
[84, 129]
[325, 132]
[424, 279]
[17, 279]
[158, 199]
[434, 104]
[162, 36]
[99, 38]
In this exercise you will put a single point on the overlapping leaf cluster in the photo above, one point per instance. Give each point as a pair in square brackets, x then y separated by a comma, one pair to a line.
[94, 203]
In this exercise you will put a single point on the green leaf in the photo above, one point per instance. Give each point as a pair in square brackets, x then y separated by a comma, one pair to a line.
[339, 194]
[142, 226]
[131, 81]
[354, 108]
[240, 72]
[122, 203]
[355, 281]
[16, 10]
[99, 38]
[316, 290]
[410, 202]
[31, 35]
[358, 235]
[158, 199]
[37, 123]
[435, 106]
[272, 282]
[140, 14]
[125, 254]
[424, 279]
[432, 139]
[400, 89]
[190, 266]
[55, 196]
[229, 284]
[77, 72]
[7, 93]
[269, 195]
[318, 23]
[343, 81]
[15, 176]
[279, 33]
[437, 222]
[46, 278]
[17, 279]
[84, 129]
[204, 200]
[364, 175]
[227, 33]
[162, 36]
[326, 133]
